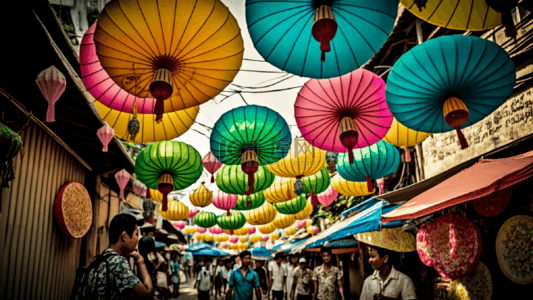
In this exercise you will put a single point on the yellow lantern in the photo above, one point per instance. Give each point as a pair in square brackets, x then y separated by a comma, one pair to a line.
[208, 237]
[199, 236]
[290, 231]
[281, 190]
[223, 238]
[176, 211]
[242, 239]
[201, 197]
[156, 195]
[244, 246]
[254, 238]
[306, 212]
[402, 136]
[349, 188]
[308, 223]
[261, 215]
[283, 221]
[274, 236]
[302, 160]
[190, 229]
[234, 246]
[312, 230]
[241, 231]
[266, 229]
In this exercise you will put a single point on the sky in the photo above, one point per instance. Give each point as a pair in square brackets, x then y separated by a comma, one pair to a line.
[282, 101]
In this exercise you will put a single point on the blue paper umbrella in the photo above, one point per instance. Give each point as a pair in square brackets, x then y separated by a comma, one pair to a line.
[295, 35]
[449, 82]
[370, 163]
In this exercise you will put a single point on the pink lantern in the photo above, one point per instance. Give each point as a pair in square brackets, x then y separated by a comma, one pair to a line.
[193, 212]
[216, 230]
[353, 105]
[52, 84]
[328, 196]
[201, 230]
[182, 248]
[422, 245]
[180, 224]
[234, 239]
[251, 230]
[224, 201]
[265, 238]
[122, 178]
[301, 223]
[211, 164]
[139, 188]
[381, 183]
[105, 134]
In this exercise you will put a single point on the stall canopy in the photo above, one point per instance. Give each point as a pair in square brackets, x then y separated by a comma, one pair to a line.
[210, 252]
[199, 246]
[342, 246]
[485, 177]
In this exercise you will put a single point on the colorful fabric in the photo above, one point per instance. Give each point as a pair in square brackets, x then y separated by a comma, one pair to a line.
[389, 238]
[303, 287]
[243, 286]
[514, 248]
[396, 286]
[477, 285]
[327, 282]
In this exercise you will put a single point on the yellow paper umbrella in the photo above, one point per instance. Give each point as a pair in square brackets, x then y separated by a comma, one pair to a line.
[234, 247]
[274, 236]
[305, 213]
[281, 190]
[176, 211]
[462, 15]
[349, 188]
[401, 136]
[283, 221]
[184, 52]
[242, 239]
[201, 197]
[268, 228]
[261, 215]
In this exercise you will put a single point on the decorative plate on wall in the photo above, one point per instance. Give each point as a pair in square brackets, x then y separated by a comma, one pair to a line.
[514, 248]
[477, 285]
[73, 210]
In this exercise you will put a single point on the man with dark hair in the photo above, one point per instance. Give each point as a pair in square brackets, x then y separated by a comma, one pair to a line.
[326, 278]
[277, 273]
[386, 283]
[113, 277]
[289, 270]
[244, 280]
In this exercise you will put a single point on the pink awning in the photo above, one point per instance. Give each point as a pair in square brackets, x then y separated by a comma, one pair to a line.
[483, 178]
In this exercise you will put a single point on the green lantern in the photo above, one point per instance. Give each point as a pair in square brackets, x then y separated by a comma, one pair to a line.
[168, 166]
[232, 180]
[234, 221]
[292, 206]
[205, 219]
[316, 184]
[255, 201]
[10, 143]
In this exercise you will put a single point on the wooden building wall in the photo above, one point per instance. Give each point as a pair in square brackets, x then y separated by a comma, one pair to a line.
[37, 260]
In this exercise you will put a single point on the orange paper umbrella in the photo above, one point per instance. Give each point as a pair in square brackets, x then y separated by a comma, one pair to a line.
[185, 52]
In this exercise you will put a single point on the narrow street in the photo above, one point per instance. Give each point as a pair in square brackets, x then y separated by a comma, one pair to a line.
[188, 292]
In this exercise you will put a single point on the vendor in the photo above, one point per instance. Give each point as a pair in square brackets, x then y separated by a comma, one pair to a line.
[386, 283]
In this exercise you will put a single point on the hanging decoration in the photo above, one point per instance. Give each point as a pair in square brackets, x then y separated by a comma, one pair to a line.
[243, 239]
[180, 224]
[232, 180]
[422, 245]
[249, 202]
[234, 221]
[309, 223]
[234, 239]
[282, 189]
[477, 285]
[295, 36]
[401, 136]
[216, 230]
[211, 164]
[328, 196]
[293, 206]
[201, 197]
[457, 91]
[244, 246]
[343, 113]
[370, 163]
[283, 221]
[242, 231]
[139, 188]
[274, 236]
[199, 237]
[306, 212]
[316, 184]
[52, 84]
[290, 231]
[252, 230]
[190, 229]
[255, 238]
[267, 228]
[176, 211]
[234, 247]
[262, 215]
[301, 223]
[73, 210]
[312, 230]
[193, 212]
[10, 144]
[122, 177]
[224, 201]
[265, 238]
[105, 134]
[493, 204]
[168, 166]
[350, 188]
[201, 229]
[251, 136]
[182, 65]
[205, 219]
[208, 237]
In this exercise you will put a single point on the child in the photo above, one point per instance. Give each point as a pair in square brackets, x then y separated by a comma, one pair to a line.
[203, 282]
[175, 277]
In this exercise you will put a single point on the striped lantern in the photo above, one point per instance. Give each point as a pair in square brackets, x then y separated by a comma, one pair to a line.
[244, 246]
[216, 230]
[312, 230]
[180, 224]
[243, 239]
[193, 212]
[199, 236]
[211, 164]
[224, 201]
[265, 238]
[281, 190]
[190, 229]
[234, 239]
[248, 202]
[52, 84]
[301, 223]
[316, 184]
[328, 196]
[283, 221]
[232, 180]
[456, 114]
[208, 237]
[262, 215]
[324, 28]
[201, 229]
[176, 211]
[350, 188]
[139, 188]
[292, 206]
[252, 230]
[275, 235]
[201, 197]
[205, 219]
[234, 247]
[241, 231]
[309, 223]
[290, 231]
[306, 212]
[234, 221]
[122, 178]
[267, 228]
[105, 135]
[400, 135]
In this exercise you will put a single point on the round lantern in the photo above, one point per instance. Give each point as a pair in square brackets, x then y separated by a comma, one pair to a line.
[293, 206]
[267, 228]
[274, 236]
[201, 229]
[309, 223]
[208, 237]
[514, 249]
[370, 163]
[73, 210]
[265, 238]
[234, 239]
[168, 166]
[493, 204]
[199, 236]
[205, 219]
[193, 212]
[252, 230]
[139, 188]
[283, 221]
[254, 238]
[477, 285]
[176, 211]
[190, 229]
[312, 230]
[232, 180]
[234, 221]
[350, 188]
[281, 190]
[290, 231]
[262, 215]
[156, 195]
[241, 231]
[306, 212]
[316, 184]
[422, 245]
[244, 246]
[234, 247]
[328, 196]
[243, 239]
[201, 197]
[180, 224]
[216, 230]
[401, 136]
[301, 223]
[211, 164]
[224, 201]
[249, 202]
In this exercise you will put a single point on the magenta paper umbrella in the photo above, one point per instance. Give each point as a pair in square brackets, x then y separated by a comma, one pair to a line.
[224, 201]
[343, 113]
[122, 178]
[328, 196]
[193, 211]
[211, 164]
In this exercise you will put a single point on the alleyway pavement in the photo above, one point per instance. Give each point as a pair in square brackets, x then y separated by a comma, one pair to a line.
[188, 292]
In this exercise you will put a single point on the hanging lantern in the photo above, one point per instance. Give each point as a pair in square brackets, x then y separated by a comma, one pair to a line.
[180, 224]
[199, 237]
[381, 184]
[316, 184]
[168, 166]
[281, 190]
[401, 136]
[176, 211]
[350, 188]
[224, 201]
[283, 221]
[252, 230]
[255, 238]
[208, 237]
[274, 236]
[328, 196]
[301, 223]
[211, 164]
[309, 223]
[312, 230]
[10, 143]
[290, 231]
[249, 202]
[234, 239]
[234, 221]
[293, 206]
[232, 180]
[324, 29]
[234, 247]
[371, 163]
[306, 212]
[105, 134]
[122, 178]
[265, 238]
[193, 212]
[267, 228]
[190, 229]
[243, 239]
[201, 230]
[139, 188]
[216, 230]
[201, 197]
[52, 84]
[134, 125]
[205, 219]
[262, 215]
[456, 114]
[493, 204]
[244, 246]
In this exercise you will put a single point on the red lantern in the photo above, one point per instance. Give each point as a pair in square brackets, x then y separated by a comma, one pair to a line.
[52, 84]
[105, 134]
[122, 178]
[211, 164]
[456, 114]
[324, 28]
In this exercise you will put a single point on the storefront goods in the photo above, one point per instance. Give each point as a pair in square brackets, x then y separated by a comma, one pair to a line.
[73, 210]
[477, 285]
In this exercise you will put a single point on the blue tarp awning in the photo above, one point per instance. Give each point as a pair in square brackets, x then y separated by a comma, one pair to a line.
[258, 253]
[199, 246]
[343, 243]
[210, 252]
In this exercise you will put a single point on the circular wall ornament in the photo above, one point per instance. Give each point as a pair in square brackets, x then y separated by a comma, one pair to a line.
[73, 210]
[477, 285]
[514, 248]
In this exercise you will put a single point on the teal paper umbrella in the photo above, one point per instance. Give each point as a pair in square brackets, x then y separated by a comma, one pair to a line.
[370, 163]
[232, 180]
[295, 35]
[168, 166]
[250, 136]
[450, 82]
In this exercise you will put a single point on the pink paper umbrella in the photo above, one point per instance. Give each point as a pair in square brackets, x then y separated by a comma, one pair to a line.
[52, 84]
[105, 134]
[180, 224]
[122, 178]
[193, 212]
[251, 230]
[265, 238]
[211, 164]
[328, 196]
[216, 230]
[224, 201]
[343, 113]
[234, 239]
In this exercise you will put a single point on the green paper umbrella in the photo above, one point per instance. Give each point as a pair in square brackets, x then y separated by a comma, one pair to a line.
[255, 200]
[292, 206]
[205, 219]
[232, 180]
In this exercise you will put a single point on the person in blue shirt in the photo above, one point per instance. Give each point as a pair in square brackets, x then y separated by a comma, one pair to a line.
[243, 280]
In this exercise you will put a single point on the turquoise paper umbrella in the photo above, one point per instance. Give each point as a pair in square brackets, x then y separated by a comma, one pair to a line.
[319, 38]
[448, 83]
[370, 163]
[251, 136]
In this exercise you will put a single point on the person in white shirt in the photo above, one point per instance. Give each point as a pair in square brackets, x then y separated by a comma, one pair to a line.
[289, 269]
[386, 283]
[277, 273]
[203, 281]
